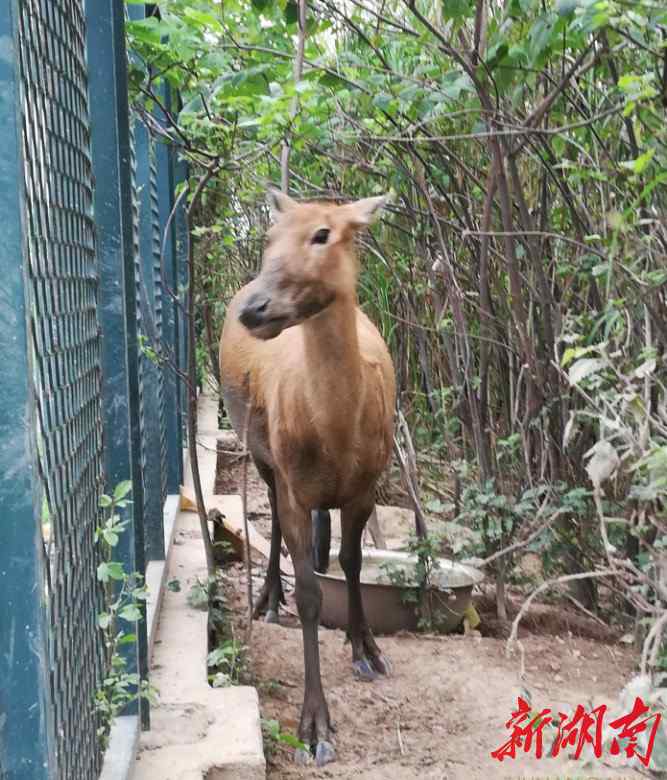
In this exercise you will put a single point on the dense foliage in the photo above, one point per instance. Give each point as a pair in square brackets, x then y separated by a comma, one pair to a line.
[520, 276]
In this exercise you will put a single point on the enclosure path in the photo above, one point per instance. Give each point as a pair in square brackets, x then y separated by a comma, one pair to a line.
[444, 709]
[196, 731]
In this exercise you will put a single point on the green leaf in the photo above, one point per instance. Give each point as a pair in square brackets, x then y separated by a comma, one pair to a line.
[105, 501]
[566, 7]
[110, 571]
[540, 35]
[202, 19]
[110, 537]
[291, 740]
[456, 9]
[291, 13]
[122, 489]
[496, 54]
[131, 613]
[194, 106]
[104, 620]
[147, 31]
[454, 83]
[332, 81]
[640, 164]
[603, 462]
[382, 101]
[584, 368]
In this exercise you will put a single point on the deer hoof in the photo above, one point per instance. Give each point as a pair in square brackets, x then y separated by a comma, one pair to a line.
[382, 665]
[363, 670]
[303, 757]
[324, 753]
[271, 616]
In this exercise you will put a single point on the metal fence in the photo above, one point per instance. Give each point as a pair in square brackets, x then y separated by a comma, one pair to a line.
[84, 290]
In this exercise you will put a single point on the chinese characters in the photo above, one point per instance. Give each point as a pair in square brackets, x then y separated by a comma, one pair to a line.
[574, 732]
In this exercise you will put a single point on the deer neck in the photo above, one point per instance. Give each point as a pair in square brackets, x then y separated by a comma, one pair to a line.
[333, 365]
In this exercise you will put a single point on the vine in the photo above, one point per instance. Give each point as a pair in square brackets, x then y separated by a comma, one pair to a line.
[124, 598]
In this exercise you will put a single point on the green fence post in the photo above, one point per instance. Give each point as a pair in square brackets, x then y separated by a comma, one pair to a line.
[110, 145]
[151, 328]
[26, 730]
[148, 291]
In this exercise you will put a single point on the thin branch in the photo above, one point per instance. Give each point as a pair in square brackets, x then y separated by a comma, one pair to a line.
[294, 108]
[192, 372]
[543, 233]
[545, 586]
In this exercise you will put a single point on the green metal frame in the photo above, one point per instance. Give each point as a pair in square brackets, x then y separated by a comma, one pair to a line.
[26, 728]
[110, 142]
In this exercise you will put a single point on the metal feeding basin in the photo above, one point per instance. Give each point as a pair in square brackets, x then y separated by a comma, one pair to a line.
[385, 606]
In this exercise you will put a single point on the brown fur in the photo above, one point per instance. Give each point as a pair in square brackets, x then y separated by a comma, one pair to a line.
[320, 385]
[323, 418]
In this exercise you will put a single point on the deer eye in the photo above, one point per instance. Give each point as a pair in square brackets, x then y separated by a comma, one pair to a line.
[321, 237]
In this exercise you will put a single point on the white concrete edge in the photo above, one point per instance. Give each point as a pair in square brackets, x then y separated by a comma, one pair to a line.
[156, 571]
[122, 749]
[124, 735]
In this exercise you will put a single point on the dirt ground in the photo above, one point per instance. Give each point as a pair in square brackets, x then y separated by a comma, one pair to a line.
[444, 709]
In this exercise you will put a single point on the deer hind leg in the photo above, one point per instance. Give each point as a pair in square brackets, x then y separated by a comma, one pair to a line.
[367, 659]
[321, 539]
[271, 594]
[315, 724]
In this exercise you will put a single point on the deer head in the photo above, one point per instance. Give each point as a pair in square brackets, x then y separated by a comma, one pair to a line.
[309, 262]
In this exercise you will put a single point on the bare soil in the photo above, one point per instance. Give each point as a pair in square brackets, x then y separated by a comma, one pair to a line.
[444, 709]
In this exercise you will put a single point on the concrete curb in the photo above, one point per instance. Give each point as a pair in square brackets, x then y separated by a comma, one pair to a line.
[124, 736]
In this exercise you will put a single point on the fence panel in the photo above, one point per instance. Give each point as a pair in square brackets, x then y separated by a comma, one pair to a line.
[64, 341]
[150, 334]
[87, 399]
[27, 737]
[110, 134]
[171, 312]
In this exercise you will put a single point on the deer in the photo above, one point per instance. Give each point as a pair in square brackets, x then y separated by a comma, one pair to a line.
[309, 383]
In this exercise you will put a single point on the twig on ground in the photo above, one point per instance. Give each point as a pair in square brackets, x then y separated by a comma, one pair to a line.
[400, 738]
[590, 614]
[545, 586]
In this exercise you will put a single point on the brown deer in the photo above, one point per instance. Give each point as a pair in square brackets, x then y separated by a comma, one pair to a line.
[313, 377]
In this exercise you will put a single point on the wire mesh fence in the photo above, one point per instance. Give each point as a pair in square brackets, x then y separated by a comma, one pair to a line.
[83, 311]
[65, 346]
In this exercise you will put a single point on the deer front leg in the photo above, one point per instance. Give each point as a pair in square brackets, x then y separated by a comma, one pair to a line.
[271, 594]
[315, 724]
[367, 659]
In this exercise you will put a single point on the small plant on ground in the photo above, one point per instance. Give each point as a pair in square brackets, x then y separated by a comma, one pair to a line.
[199, 595]
[419, 580]
[227, 664]
[274, 738]
[124, 596]
[270, 687]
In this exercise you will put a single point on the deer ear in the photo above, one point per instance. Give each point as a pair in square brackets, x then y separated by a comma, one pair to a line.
[279, 203]
[363, 212]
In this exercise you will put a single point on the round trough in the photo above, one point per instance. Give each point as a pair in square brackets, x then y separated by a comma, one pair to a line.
[385, 606]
